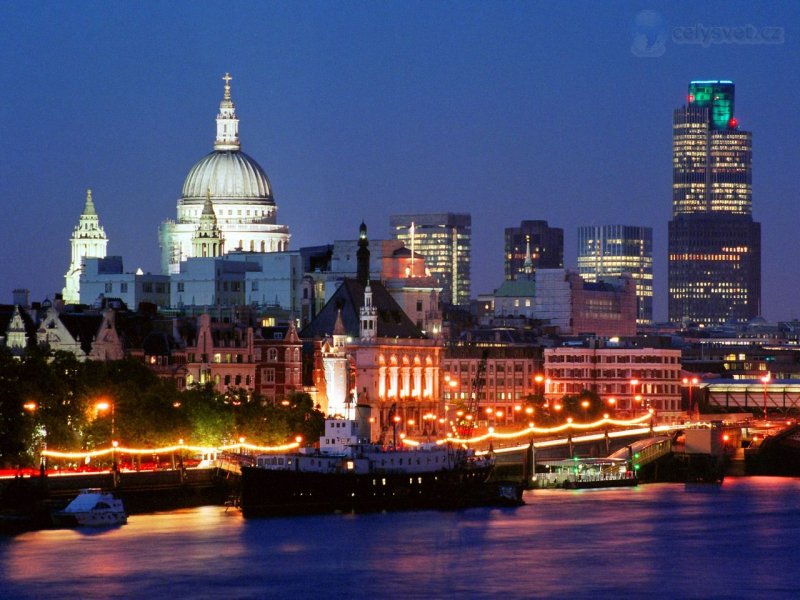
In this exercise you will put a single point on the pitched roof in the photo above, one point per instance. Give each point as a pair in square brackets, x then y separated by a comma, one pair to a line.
[392, 321]
[83, 327]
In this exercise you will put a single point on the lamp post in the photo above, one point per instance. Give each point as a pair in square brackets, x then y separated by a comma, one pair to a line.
[105, 405]
[31, 407]
[690, 382]
[634, 382]
[765, 380]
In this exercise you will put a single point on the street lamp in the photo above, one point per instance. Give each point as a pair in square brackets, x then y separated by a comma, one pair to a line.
[585, 407]
[103, 406]
[765, 380]
[612, 402]
[634, 382]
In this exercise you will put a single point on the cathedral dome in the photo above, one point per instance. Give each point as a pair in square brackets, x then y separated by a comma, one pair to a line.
[229, 174]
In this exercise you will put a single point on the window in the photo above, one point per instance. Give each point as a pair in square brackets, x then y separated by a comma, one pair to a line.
[269, 375]
[419, 305]
[108, 287]
[123, 288]
[180, 286]
[272, 354]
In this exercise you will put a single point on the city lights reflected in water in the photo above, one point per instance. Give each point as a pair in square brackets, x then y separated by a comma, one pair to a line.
[734, 540]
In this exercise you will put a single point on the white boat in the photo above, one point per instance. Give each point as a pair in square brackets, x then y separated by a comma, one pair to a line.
[93, 507]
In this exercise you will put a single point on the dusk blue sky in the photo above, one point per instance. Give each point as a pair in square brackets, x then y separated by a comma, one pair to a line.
[357, 110]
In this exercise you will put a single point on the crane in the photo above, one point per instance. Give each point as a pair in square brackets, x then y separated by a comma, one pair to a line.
[467, 423]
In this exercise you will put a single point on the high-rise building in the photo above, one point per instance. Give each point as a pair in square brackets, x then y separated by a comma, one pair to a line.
[546, 247]
[608, 251]
[444, 239]
[714, 244]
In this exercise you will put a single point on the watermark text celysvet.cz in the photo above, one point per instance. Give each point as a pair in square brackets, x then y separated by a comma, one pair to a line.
[651, 34]
[745, 34]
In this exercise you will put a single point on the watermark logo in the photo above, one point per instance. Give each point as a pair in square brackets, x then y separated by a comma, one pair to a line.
[650, 34]
[744, 34]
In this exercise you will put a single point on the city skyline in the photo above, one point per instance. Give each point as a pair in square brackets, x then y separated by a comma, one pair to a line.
[361, 112]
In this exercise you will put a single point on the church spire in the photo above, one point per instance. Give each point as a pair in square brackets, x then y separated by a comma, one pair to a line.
[227, 123]
[362, 256]
[527, 266]
[88, 209]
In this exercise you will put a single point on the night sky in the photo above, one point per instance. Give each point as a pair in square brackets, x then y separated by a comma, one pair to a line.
[357, 110]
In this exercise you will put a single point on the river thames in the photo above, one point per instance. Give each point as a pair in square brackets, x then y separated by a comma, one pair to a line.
[737, 540]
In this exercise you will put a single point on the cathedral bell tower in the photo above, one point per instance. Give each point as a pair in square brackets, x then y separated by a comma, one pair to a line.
[369, 316]
[207, 239]
[88, 241]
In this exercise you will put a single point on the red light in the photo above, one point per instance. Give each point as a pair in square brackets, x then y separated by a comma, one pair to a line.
[733, 123]
[691, 98]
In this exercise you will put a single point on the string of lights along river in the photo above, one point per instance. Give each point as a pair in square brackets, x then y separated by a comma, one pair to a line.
[737, 540]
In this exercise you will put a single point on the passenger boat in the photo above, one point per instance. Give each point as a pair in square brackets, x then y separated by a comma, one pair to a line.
[93, 507]
[348, 473]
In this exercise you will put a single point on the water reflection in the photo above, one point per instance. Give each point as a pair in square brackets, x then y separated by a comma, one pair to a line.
[669, 541]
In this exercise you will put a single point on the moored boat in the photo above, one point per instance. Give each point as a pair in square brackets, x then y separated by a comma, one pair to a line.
[93, 507]
[348, 473]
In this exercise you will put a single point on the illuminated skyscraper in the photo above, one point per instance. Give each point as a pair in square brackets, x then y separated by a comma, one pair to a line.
[546, 247]
[444, 239]
[714, 245]
[608, 251]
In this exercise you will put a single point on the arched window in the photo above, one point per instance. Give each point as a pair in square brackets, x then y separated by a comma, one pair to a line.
[272, 354]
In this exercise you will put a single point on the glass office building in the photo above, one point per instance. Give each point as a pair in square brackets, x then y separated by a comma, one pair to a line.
[444, 239]
[714, 244]
[608, 251]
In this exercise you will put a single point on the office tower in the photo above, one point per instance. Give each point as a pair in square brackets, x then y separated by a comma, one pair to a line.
[714, 244]
[444, 239]
[608, 251]
[546, 247]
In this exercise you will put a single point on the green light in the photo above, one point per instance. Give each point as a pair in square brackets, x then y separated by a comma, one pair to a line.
[718, 96]
[636, 455]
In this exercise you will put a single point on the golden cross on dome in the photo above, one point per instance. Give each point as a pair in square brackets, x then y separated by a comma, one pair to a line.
[227, 79]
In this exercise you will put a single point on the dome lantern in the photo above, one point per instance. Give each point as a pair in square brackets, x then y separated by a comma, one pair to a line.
[227, 123]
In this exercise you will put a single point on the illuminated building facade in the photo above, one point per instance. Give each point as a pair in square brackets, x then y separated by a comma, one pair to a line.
[445, 241]
[546, 248]
[608, 251]
[628, 380]
[509, 379]
[366, 350]
[233, 357]
[714, 245]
